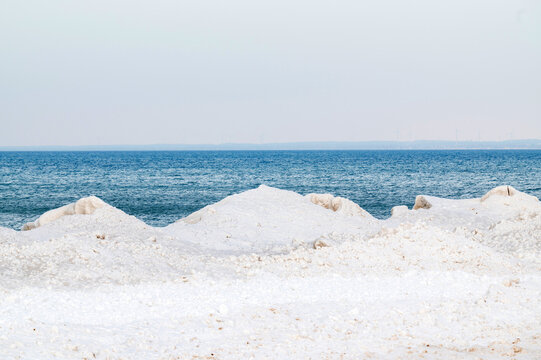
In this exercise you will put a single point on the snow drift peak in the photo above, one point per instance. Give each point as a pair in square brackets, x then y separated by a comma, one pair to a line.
[509, 196]
[504, 190]
[338, 204]
[84, 206]
[501, 197]
[268, 197]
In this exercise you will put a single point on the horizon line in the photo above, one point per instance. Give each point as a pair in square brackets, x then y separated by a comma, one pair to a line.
[511, 144]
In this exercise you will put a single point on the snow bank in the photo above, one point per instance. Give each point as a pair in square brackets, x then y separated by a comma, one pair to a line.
[459, 279]
[505, 219]
[507, 196]
[499, 198]
[84, 206]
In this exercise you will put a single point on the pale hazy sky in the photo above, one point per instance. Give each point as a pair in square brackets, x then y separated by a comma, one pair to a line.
[143, 72]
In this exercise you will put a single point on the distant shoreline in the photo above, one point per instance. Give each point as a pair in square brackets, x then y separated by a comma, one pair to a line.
[525, 144]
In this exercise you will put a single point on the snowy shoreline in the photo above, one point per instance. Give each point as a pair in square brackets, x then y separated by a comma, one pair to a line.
[269, 273]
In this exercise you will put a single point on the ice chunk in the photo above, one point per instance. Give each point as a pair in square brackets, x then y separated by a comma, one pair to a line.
[338, 204]
[504, 190]
[84, 206]
[421, 203]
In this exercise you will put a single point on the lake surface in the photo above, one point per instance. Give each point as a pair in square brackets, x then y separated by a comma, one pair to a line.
[160, 187]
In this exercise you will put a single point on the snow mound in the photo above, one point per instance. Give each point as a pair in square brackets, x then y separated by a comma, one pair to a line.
[501, 197]
[84, 206]
[338, 204]
[507, 196]
[99, 244]
[505, 219]
[268, 219]
[461, 280]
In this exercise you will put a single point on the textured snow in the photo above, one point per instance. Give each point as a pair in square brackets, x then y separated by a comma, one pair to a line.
[83, 206]
[266, 220]
[269, 273]
[338, 204]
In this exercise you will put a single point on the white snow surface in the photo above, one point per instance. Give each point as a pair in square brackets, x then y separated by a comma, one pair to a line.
[271, 274]
[84, 206]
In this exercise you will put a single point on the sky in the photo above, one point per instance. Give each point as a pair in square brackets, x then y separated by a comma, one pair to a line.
[244, 71]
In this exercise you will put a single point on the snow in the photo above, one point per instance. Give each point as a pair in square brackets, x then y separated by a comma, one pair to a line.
[84, 206]
[266, 220]
[338, 204]
[269, 273]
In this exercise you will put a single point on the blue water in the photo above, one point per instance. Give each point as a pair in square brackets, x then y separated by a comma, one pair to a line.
[161, 187]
